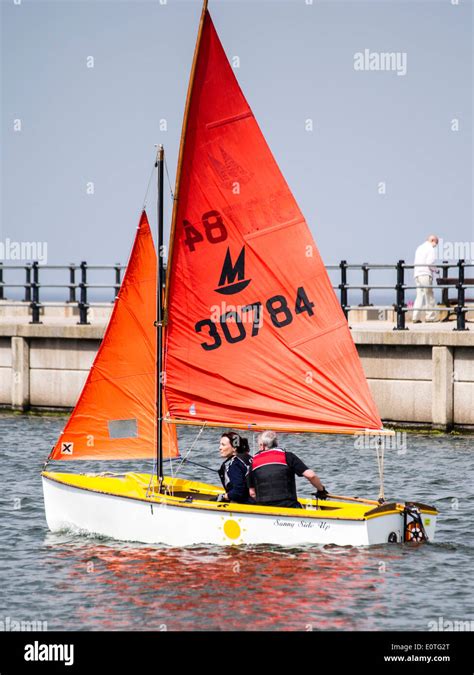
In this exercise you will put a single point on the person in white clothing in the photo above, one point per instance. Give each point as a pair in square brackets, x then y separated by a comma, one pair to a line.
[424, 272]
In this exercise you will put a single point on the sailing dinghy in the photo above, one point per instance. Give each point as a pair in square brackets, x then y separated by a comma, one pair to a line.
[247, 334]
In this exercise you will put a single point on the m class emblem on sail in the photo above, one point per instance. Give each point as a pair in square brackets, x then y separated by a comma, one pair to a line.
[230, 272]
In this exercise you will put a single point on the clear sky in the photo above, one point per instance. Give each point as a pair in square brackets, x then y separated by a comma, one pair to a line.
[98, 125]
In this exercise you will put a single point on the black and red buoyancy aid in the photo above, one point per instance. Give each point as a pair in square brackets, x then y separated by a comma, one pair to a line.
[272, 477]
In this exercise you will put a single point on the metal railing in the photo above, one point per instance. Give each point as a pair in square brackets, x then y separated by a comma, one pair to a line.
[79, 284]
[445, 283]
[32, 287]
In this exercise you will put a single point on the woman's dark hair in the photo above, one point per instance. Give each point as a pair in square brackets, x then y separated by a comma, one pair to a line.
[237, 442]
[244, 445]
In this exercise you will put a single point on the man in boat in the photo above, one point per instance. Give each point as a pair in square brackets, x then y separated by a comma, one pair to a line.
[272, 474]
[233, 471]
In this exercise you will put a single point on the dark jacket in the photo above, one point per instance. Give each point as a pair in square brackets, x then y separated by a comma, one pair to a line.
[233, 474]
[272, 475]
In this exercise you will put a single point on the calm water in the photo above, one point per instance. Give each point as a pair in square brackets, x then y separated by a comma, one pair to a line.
[86, 583]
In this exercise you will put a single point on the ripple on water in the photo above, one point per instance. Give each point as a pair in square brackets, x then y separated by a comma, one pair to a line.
[94, 583]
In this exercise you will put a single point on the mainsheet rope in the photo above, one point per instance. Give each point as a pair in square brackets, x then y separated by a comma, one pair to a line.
[380, 458]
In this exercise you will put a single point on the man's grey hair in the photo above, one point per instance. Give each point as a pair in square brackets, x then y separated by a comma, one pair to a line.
[268, 439]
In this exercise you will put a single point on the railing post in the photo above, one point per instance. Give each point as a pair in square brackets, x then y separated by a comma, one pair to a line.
[365, 281]
[1, 282]
[35, 301]
[72, 281]
[28, 283]
[445, 291]
[118, 281]
[343, 286]
[83, 306]
[400, 287]
[460, 310]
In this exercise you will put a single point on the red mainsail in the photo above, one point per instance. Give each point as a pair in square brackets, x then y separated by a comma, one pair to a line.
[115, 416]
[255, 333]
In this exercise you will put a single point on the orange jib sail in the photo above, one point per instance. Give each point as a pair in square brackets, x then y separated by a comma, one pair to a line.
[255, 333]
[115, 416]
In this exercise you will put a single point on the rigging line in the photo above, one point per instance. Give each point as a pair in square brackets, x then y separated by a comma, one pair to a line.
[169, 182]
[190, 449]
[202, 466]
[171, 468]
[149, 183]
[152, 475]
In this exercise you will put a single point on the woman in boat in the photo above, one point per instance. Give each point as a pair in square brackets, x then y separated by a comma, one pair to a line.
[234, 470]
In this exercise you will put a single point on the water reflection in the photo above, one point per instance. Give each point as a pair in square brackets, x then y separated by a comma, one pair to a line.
[210, 588]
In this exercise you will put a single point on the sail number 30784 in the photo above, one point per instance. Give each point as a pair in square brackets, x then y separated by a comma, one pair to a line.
[234, 330]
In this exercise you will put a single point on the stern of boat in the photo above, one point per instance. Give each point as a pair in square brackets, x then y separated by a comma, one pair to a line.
[410, 522]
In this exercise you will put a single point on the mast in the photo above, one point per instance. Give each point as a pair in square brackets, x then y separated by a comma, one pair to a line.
[181, 149]
[159, 324]
[163, 284]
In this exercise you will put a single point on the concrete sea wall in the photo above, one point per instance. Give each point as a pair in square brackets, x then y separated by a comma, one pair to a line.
[422, 377]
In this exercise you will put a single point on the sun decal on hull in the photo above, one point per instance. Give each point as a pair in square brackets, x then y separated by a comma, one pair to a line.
[232, 530]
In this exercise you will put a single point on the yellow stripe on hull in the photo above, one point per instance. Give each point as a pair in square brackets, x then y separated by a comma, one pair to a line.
[143, 487]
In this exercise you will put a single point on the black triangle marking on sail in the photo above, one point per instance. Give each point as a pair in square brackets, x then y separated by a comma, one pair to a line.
[228, 171]
[230, 272]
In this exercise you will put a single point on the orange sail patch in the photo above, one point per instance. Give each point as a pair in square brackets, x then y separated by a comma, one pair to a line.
[115, 416]
[255, 333]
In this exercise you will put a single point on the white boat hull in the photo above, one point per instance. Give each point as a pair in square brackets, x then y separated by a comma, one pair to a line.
[129, 519]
